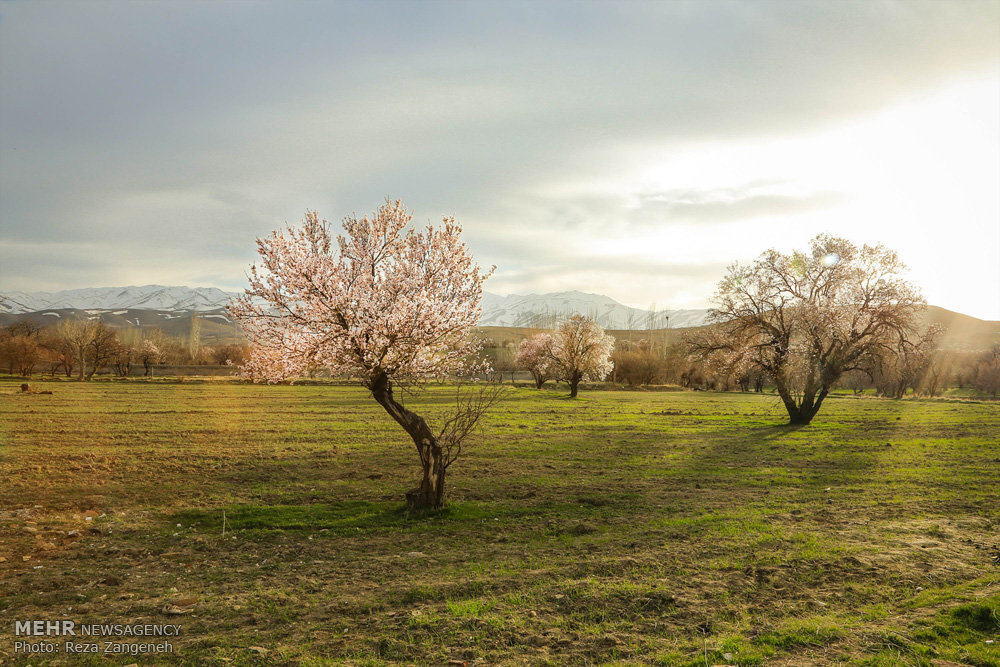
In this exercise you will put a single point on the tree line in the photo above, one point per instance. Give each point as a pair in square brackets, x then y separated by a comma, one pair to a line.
[82, 348]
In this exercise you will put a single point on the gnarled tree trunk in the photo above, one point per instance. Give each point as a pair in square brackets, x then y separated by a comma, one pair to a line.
[430, 493]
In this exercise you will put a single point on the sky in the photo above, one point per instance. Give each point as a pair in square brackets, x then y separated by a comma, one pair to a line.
[622, 148]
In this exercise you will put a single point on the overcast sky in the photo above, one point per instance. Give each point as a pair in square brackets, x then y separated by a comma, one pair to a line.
[628, 149]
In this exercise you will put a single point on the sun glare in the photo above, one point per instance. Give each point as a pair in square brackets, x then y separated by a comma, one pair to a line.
[924, 169]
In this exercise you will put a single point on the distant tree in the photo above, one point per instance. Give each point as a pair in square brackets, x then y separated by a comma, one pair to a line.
[20, 348]
[102, 348]
[987, 372]
[807, 318]
[637, 363]
[56, 352]
[856, 380]
[149, 354]
[533, 355]
[502, 358]
[25, 352]
[123, 355]
[194, 337]
[903, 366]
[379, 303]
[580, 350]
[231, 354]
[76, 335]
[934, 376]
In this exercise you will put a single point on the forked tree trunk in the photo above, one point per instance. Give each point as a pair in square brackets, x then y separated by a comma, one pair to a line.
[430, 493]
[800, 414]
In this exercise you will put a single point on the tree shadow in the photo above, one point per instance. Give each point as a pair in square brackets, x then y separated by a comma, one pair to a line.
[342, 518]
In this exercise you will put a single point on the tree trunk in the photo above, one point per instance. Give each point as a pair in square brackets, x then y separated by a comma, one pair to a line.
[800, 414]
[574, 384]
[430, 493]
[539, 380]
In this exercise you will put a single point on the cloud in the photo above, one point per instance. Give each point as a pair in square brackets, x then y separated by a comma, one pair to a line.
[158, 139]
[730, 204]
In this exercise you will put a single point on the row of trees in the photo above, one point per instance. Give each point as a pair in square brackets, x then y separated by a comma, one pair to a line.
[800, 325]
[85, 347]
[920, 370]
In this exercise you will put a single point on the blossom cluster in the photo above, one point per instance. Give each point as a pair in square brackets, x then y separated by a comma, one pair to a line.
[378, 300]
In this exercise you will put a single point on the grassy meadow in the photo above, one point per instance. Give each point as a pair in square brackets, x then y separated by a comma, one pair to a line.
[624, 527]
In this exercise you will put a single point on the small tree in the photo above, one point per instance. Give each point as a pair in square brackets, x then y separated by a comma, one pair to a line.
[122, 358]
[805, 319]
[382, 304]
[76, 336]
[149, 354]
[102, 348]
[987, 372]
[533, 356]
[580, 350]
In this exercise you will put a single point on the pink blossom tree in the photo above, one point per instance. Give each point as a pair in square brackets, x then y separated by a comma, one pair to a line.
[380, 303]
[532, 355]
[580, 350]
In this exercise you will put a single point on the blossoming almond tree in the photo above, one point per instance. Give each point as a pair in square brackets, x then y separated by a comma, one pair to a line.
[532, 355]
[580, 350]
[380, 303]
[807, 318]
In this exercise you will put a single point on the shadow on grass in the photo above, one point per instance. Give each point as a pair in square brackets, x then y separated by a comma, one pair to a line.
[350, 517]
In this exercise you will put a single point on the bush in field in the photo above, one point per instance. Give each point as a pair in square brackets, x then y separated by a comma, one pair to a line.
[382, 304]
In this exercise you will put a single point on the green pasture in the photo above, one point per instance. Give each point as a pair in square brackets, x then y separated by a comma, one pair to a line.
[623, 527]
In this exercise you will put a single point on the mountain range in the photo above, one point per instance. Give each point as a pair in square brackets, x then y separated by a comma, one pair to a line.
[172, 309]
[515, 310]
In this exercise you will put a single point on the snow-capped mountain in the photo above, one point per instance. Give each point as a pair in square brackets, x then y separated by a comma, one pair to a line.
[515, 310]
[150, 297]
[545, 310]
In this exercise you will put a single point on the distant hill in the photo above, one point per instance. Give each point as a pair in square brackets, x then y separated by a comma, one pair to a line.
[504, 317]
[962, 332]
[545, 310]
[150, 297]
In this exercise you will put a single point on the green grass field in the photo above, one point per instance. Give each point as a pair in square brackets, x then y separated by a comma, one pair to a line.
[664, 528]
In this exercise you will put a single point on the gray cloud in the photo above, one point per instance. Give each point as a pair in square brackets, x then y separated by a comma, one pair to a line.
[730, 204]
[153, 141]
